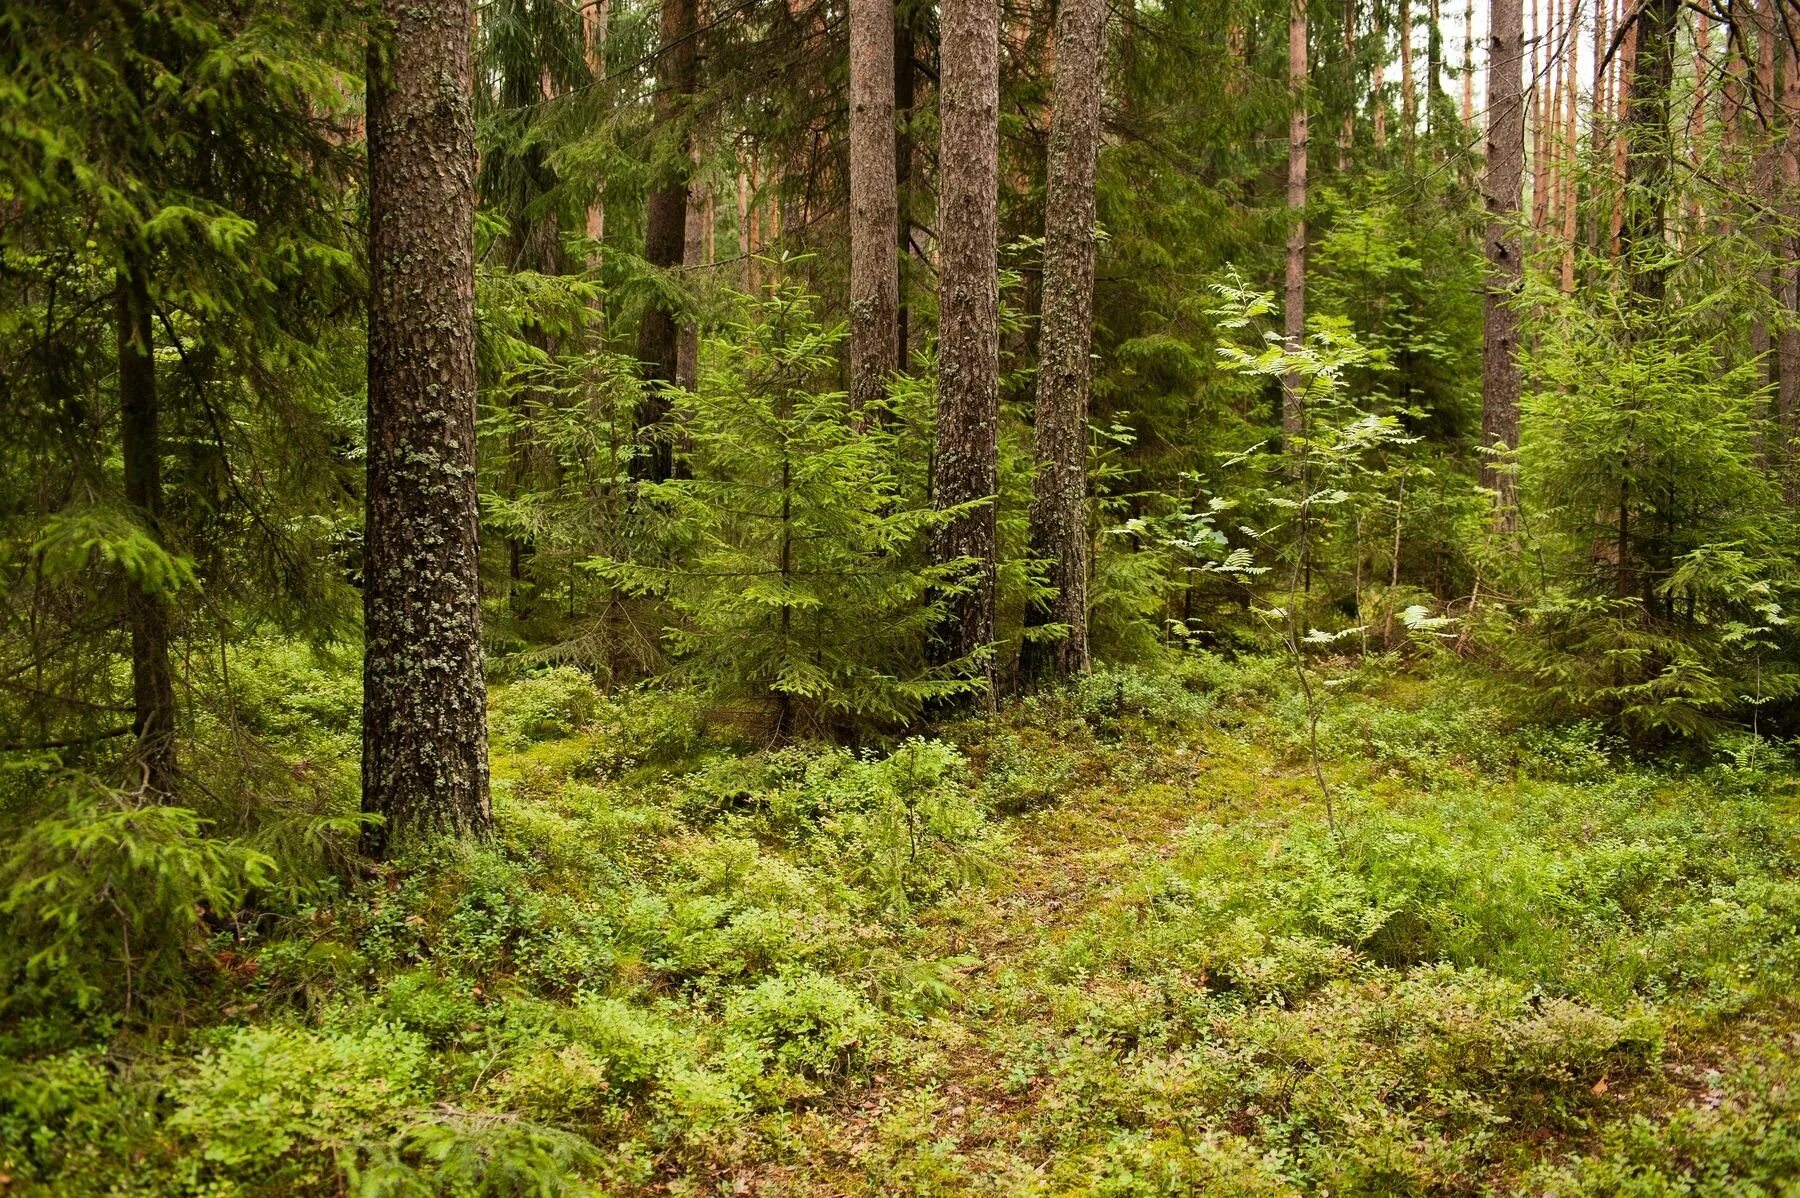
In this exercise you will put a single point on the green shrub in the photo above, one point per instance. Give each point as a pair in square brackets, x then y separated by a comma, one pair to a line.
[545, 706]
[283, 1105]
[803, 1022]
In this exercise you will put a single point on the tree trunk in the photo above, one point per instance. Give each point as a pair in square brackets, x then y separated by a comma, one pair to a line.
[1468, 64]
[1787, 396]
[146, 611]
[697, 236]
[1293, 311]
[1409, 99]
[1347, 130]
[1571, 149]
[906, 74]
[1059, 502]
[1502, 187]
[1434, 60]
[425, 767]
[874, 203]
[665, 237]
[965, 466]
[1649, 157]
[1378, 87]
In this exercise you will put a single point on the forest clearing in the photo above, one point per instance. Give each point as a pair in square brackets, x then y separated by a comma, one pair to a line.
[825, 598]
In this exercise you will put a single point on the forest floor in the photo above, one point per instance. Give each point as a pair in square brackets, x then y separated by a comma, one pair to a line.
[1040, 1078]
[1107, 943]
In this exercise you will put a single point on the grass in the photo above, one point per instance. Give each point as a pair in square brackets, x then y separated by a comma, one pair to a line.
[1104, 944]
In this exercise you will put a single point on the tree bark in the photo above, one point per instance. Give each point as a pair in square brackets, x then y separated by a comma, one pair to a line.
[1293, 310]
[146, 611]
[1502, 188]
[968, 415]
[1059, 530]
[1787, 395]
[425, 768]
[665, 236]
[874, 203]
[906, 74]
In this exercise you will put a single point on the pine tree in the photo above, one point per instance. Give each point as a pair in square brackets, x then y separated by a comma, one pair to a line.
[1294, 295]
[1502, 188]
[874, 202]
[425, 767]
[966, 467]
[1059, 522]
[665, 231]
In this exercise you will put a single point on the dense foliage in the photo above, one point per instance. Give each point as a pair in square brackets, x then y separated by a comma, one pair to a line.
[1425, 824]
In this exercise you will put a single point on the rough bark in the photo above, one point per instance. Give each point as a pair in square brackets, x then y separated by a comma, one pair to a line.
[665, 236]
[874, 203]
[425, 768]
[906, 73]
[1293, 311]
[1059, 531]
[965, 468]
[146, 611]
[1502, 188]
[1787, 396]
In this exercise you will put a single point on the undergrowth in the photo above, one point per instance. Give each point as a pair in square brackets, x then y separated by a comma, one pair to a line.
[1103, 943]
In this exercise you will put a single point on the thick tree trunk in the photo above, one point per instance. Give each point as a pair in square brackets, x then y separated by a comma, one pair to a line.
[1502, 187]
[1293, 311]
[146, 611]
[906, 74]
[874, 203]
[1059, 503]
[425, 768]
[965, 463]
[665, 237]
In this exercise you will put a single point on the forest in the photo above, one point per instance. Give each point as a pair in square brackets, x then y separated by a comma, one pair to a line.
[873, 597]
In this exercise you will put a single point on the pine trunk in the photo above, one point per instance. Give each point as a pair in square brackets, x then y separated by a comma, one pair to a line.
[1787, 400]
[874, 203]
[1059, 503]
[665, 238]
[1502, 188]
[965, 465]
[146, 612]
[1293, 309]
[425, 769]
[906, 75]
